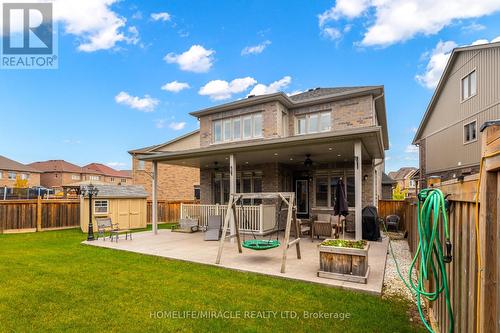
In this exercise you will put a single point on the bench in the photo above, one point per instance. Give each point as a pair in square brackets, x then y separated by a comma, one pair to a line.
[105, 224]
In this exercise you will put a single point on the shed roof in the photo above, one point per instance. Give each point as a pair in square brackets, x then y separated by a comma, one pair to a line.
[121, 191]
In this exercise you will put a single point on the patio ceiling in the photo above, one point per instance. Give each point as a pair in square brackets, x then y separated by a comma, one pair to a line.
[324, 148]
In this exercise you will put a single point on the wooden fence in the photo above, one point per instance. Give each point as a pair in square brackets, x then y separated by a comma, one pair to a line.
[168, 211]
[462, 271]
[393, 207]
[38, 214]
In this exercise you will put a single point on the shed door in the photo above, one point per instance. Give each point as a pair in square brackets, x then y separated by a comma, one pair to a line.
[123, 213]
[135, 213]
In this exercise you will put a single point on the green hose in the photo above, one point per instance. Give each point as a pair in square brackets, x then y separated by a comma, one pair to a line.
[430, 252]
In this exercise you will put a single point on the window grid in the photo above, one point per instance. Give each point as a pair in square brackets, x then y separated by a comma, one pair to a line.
[237, 128]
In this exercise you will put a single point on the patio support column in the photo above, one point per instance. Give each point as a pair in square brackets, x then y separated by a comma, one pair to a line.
[358, 188]
[154, 210]
[232, 188]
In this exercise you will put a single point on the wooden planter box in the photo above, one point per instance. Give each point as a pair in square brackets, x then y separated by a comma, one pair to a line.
[344, 263]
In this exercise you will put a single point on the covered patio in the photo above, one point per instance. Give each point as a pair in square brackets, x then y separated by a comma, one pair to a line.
[192, 248]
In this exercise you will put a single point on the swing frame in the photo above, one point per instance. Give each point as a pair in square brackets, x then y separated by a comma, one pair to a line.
[287, 197]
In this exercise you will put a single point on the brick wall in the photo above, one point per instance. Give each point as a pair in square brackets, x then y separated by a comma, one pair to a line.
[350, 113]
[269, 121]
[33, 179]
[174, 182]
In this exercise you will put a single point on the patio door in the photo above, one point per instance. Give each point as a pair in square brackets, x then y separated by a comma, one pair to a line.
[302, 194]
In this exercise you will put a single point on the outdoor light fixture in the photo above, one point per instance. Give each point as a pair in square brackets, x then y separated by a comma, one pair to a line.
[365, 177]
[308, 162]
[90, 191]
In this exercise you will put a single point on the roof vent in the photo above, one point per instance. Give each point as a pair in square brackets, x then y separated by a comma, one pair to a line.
[250, 96]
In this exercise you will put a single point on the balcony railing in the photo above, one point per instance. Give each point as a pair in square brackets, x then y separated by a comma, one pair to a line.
[258, 219]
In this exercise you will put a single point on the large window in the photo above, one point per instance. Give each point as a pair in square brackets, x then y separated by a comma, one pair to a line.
[101, 207]
[12, 175]
[470, 133]
[230, 129]
[140, 165]
[469, 85]
[325, 188]
[24, 176]
[313, 123]
[94, 177]
[246, 182]
[75, 177]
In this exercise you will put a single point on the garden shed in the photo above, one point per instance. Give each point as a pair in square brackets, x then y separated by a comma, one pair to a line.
[125, 205]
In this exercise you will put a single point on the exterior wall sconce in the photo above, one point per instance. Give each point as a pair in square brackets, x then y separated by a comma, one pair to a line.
[365, 177]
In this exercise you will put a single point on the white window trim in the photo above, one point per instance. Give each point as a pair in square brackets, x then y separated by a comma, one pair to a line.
[463, 132]
[242, 137]
[13, 173]
[342, 173]
[101, 213]
[462, 100]
[306, 116]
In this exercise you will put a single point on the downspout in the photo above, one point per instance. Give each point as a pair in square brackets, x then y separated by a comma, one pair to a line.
[382, 160]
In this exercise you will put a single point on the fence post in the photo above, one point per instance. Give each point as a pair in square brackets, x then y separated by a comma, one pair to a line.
[261, 219]
[182, 210]
[39, 213]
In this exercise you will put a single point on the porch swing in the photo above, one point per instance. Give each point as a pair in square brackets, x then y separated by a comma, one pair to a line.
[262, 244]
[287, 198]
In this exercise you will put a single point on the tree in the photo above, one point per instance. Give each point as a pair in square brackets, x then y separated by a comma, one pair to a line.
[398, 194]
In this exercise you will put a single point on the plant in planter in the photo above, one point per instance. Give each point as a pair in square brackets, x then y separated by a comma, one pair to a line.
[345, 260]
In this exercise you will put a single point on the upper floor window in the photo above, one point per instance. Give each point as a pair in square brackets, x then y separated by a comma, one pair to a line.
[94, 177]
[140, 165]
[12, 175]
[1, 174]
[123, 180]
[75, 177]
[468, 85]
[111, 179]
[24, 176]
[237, 128]
[470, 134]
[313, 123]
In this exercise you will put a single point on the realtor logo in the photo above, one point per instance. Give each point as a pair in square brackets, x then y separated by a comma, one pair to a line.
[28, 36]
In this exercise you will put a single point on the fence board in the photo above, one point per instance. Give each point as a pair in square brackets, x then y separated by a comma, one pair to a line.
[22, 214]
[168, 211]
[462, 271]
[393, 207]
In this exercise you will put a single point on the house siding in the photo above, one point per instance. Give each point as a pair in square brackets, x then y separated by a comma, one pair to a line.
[442, 137]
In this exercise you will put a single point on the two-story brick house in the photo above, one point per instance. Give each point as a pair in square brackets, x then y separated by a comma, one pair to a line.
[11, 171]
[59, 173]
[304, 143]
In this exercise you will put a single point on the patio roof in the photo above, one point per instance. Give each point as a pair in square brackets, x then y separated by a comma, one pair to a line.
[323, 147]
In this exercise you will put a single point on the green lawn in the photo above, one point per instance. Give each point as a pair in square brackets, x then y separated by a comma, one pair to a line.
[50, 282]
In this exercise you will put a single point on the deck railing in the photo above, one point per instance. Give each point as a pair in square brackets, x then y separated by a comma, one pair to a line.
[259, 219]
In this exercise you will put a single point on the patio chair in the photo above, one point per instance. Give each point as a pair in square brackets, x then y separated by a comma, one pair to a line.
[392, 221]
[213, 229]
[322, 226]
[187, 225]
[104, 225]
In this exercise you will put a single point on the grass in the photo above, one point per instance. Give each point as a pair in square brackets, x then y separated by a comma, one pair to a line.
[51, 282]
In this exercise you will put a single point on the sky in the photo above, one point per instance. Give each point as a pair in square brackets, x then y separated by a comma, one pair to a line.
[131, 71]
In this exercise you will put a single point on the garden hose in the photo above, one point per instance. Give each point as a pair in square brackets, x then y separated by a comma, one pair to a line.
[430, 206]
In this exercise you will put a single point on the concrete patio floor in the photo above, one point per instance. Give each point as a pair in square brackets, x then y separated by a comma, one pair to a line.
[192, 247]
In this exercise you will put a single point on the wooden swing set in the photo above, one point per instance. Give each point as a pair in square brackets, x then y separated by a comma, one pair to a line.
[287, 198]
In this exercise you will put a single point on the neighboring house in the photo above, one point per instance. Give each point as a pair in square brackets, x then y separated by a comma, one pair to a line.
[10, 170]
[304, 143]
[107, 174]
[175, 182]
[405, 180]
[388, 185]
[467, 96]
[58, 173]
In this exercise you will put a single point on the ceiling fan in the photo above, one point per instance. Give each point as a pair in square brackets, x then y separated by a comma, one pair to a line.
[308, 162]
